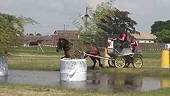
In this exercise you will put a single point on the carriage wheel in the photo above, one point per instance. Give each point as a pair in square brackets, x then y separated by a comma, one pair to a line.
[137, 62]
[120, 62]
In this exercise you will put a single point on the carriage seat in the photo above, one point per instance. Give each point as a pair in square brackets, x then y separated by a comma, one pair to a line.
[126, 51]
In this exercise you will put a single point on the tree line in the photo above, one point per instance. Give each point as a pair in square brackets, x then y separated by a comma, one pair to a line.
[11, 30]
[162, 30]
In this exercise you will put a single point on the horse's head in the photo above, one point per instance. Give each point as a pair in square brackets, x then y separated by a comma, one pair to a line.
[63, 44]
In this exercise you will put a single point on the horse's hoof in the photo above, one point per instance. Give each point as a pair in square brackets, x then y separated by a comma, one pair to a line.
[101, 66]
[92, 68]
[62, 57]
[105, 67]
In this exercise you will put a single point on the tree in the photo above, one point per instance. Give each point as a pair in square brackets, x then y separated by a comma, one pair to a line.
[112, 20]
[31, 34]
[11, 30]
[38, 34]
[158, 26]
[106, 20]
[163, 36]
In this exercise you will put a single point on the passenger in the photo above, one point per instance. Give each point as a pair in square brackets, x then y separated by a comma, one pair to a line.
[134, 45]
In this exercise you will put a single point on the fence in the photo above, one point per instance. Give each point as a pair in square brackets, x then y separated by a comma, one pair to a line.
[152, 47]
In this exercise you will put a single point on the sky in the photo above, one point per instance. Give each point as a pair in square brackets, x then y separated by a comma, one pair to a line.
[54, 14]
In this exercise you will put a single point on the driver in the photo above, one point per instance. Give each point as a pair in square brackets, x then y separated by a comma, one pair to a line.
[122, 41]
[123, 36]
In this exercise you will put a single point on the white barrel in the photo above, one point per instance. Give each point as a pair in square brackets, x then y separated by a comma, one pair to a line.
[73, 69]
[3, 66]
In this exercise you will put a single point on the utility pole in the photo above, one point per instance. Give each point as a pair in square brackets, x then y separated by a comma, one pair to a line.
[86, 17]
[64, 27]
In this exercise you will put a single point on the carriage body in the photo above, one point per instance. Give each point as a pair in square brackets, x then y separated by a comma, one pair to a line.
[123, 57]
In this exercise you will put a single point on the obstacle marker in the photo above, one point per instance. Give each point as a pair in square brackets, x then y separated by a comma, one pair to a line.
[165, 83]
[165, 59]
[73, 69]
[3, 66]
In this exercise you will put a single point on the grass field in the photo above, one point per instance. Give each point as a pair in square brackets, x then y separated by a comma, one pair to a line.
[34, 50]
[46, 62]
[32, 90]
[31, 58]
[34, 62]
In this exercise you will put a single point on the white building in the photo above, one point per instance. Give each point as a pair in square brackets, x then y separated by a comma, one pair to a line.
[145, 38]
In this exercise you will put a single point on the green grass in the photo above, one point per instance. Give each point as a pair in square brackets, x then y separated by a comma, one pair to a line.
[151, 63]
[34, 62]
[33, 90]
[35, 50]
[32, 58]
[154, 72]
[37, 62]
[151, 55]
[28, 58]
[51, 63]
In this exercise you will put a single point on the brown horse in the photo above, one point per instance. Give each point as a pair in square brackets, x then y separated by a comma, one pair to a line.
[70, 52]
[36, 43]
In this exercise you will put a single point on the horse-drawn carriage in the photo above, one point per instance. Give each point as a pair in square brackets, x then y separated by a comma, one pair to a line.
[121, 55]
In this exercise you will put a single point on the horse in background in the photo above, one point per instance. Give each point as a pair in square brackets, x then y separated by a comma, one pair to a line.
[35, 43]
[70, 52]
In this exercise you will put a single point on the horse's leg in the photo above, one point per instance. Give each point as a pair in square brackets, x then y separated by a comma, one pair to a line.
[94, 62]
[85, 56]
[99, 60]
[100, 64]
[67, 55]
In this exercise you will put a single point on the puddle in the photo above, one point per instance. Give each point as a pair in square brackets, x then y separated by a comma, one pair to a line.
[95, 81]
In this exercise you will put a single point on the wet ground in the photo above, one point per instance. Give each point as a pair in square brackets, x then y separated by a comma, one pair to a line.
[95, 81]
